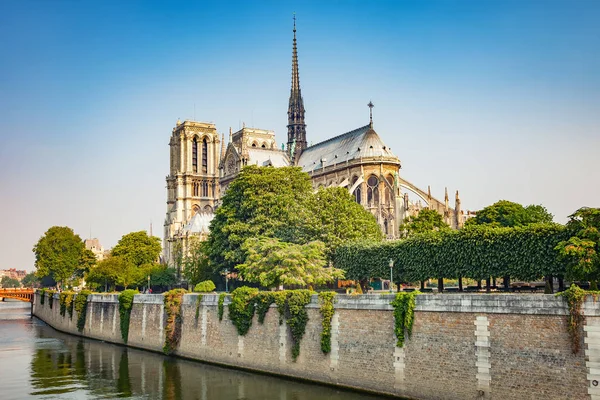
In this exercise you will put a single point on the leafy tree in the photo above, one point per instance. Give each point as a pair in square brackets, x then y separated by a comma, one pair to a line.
[272, 263]
[426, 221]
[336, 218]
[196, 267]
[509, 214]
[106, 273]
[162, 275]
[582, 249]
[61, 254]
[8, 282]
[138, 248]
[30, 280]
[259, 202]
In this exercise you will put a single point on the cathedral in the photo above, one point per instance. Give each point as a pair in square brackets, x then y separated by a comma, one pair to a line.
[202, 166]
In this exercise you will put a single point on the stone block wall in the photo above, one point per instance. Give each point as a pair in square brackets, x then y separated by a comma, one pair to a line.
[463, 346]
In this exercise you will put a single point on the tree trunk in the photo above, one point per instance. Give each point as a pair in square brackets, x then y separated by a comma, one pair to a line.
[479, 284]
[561, 284]
[548, 286]
[422, 285]
[506, 283]
[487, 285]
[460, 287]
[440, 285]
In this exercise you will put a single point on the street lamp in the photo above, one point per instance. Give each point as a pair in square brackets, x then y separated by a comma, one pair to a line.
[226, 272]
[391, 275]
[148, 283]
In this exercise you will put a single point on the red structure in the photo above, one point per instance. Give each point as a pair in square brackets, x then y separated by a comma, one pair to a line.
[19, 294]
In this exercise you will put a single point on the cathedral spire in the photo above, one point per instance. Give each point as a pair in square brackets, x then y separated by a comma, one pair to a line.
[296, 126]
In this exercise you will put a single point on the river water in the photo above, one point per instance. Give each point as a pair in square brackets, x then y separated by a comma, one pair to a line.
[37, 362]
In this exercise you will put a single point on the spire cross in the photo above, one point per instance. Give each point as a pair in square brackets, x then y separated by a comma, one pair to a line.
[371, 105]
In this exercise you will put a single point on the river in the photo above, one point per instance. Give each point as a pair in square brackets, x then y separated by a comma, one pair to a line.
[38, 362]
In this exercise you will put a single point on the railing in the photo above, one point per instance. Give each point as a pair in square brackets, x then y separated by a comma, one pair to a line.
[18, 294]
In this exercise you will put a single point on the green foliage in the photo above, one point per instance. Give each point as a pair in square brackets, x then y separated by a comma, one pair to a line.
[575, 296]
[263, 301]
[138, 248]
[327, 310]
[172, 301]
[160, 275]
[426, 221]
[241, 308]
[198, 301]
[205, 287]
[524, 253]
[8, 282]
[31, 280]
[272, 263]
[50, 294]
[404, 316]
[61, 254]
[505, 213]
[581, 251]
[42, 293]
[80, 304]
[296, 316]
[65, 299]
[125, 305]
[196, 266]
[221, 307]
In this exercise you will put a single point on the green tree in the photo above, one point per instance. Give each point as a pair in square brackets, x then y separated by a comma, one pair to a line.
[8, 282]
[272, 263]
[138, 248]
[61, 254]
[582, 249]
[336, 218]
[259, 202]
[196, 267]
[105, 274]
[30, 280]
[506, 213]
[162, 275]
[425, 221]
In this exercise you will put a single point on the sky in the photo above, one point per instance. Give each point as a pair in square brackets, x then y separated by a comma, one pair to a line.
[496, 99]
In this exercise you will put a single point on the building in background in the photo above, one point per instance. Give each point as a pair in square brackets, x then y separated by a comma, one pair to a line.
[13, 273]
[95, 247]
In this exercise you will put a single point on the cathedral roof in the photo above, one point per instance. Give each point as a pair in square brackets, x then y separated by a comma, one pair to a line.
[264, 157]
[363, 142]
[199, 223]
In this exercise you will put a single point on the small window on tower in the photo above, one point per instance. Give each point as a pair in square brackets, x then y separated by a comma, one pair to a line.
[204, 156]
[195, 155]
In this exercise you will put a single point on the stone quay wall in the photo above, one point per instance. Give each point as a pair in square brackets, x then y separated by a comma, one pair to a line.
[463, 346]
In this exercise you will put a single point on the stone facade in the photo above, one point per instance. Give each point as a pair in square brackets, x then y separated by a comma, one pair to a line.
[463, 346]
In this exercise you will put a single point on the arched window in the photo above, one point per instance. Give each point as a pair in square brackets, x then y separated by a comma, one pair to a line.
[372, 191]
[385, 226]
[388, 192]
[204, 188]
[357, 192]
[204, 156]
[195, 155]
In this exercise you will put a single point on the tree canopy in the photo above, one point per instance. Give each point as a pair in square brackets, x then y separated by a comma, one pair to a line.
[279, 203]
[425, 221]
[31, 280]
[61, 254]
[8, 282]
[582, 249]
[138, 248]
[506, 213]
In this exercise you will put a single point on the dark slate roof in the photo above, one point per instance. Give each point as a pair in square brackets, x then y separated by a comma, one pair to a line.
[363, 142]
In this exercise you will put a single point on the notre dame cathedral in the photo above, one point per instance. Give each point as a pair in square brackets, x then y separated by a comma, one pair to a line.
[202, 166]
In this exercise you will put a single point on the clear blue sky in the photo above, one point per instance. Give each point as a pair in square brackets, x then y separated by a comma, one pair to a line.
[498, 99]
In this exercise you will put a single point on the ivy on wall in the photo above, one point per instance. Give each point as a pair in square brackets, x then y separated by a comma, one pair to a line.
[404, 315]
[221, 307]
[50, 294]
[296, 316]
[198, 301]
[172, 301]
[66, 303]
[125, 306]
[242, 307]
[575, 296]
[478, 252]
[80, 304]
[327, 310]
[42, 293]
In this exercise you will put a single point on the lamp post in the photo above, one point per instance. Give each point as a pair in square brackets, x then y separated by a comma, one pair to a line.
[148, 283]
[391, 275]
[226, 272]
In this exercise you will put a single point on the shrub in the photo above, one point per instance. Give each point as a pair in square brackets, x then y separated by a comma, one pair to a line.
[205, 287]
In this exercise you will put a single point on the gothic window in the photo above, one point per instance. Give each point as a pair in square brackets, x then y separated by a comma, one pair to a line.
[254, 144]
[263, 146]
[388, 191]
[372, 191]
[357, 192]
[195, 155]
[385, 226]
[204, 188]
[204, 156]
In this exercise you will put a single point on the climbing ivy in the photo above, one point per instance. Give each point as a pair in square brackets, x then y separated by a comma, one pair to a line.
[296, 316]
[42, 296]
[404, 306]
[198, 301]
[280, 300]
[66, 303]
[125, 305]
[172, 302]
[575, 296]
[477, 252]
[263, 301]
[80, 304]
[50, 294]
[327, 310]
[221, 307]
[242, 307]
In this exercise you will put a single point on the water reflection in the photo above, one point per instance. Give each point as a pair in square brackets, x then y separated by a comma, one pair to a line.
[64, 366]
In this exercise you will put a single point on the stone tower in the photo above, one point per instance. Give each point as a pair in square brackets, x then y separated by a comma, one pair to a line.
[192, 184]
[296, 127]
